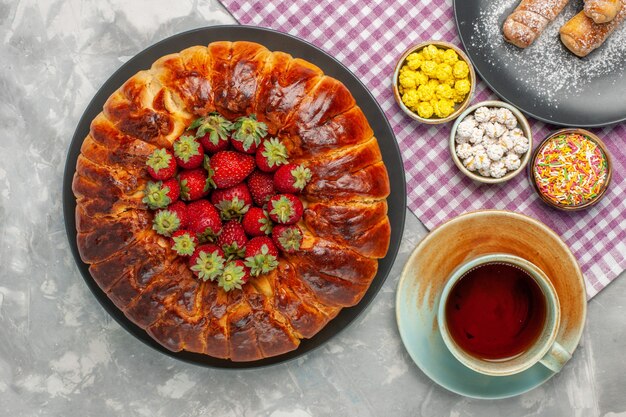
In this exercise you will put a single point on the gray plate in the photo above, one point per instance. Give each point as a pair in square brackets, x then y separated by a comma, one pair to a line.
[594, 103]
[274, 41]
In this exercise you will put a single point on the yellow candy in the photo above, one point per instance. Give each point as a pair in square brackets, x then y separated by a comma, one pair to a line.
[450, 56]
[444, 91]
[461, 70]
[430, 52]
[425, 92]
[444, 108]
[407, 79]
[462, 87]
[425, 110]
[410, 98]
[421, 78]
[458, 98]
[450, 82]
[443, 72]
[429, 68]
[413, 61]
[433, 80]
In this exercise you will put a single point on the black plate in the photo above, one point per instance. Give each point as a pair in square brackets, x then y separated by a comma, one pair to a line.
[274, 41]
[597, 101]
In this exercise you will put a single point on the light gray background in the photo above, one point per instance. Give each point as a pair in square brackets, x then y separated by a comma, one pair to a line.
[62, 355]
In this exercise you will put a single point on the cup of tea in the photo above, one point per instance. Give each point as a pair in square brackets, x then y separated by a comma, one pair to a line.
[499, 315]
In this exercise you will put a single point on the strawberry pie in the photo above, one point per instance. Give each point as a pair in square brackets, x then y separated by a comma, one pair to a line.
[231, 200]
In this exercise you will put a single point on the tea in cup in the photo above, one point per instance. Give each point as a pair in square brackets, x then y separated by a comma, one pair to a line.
[499, 315]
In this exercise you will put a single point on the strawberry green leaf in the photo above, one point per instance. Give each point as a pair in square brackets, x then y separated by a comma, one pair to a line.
[275, 152]
[234, 208]
[215, 125]
[290, 239]
[232, 277]
[282, 209]
[159, 159]
[261, 263]
[183, 245]
[301, 176]
[249, 131]
[155, 195]
[209, 266]
[166, 222]
[186, 147]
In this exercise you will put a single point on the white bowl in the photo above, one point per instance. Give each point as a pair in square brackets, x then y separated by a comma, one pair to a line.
[523, 122]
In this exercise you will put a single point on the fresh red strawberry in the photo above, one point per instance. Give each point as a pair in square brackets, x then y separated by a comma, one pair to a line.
[184, 242]
[261, 186]
[204, 220]
[232, 202]
[161, 164]
[271, 155]
[188, 152]
[194, 184]
[213, 132]
[248, 133]
[291, 178]
[230, 168]
[261, 255]
[233, 239]
[207, 262]
[166, 222]
[161, 194]
[285, 208]
[287, 238]
[256, 222]
[180, 209]
[234, 275]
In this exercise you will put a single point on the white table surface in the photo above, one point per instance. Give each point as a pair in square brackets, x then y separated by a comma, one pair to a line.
[62, 355]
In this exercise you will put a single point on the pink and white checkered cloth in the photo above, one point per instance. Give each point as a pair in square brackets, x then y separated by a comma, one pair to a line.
[368, 36]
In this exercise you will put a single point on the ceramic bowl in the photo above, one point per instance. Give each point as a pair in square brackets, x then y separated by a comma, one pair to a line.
[459, 107]
[457, 241]
[524, 125]
[609, 170]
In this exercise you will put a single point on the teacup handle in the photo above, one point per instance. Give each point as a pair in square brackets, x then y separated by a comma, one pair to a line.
[556, 358]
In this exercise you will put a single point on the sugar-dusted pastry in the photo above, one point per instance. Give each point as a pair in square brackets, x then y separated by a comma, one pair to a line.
[602, 11]
[529, 19]
[581, 35]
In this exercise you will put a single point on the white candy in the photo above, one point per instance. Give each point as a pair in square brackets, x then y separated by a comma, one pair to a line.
[460, 139]
[464, 150]
[466, 127]
[506, 117]
[485, 172]
[521, 145]
[490, 129]
[481, 160]
[470, 163]
[500, 129]
[495, 152]
[478, 148]
[497, 169]
[487, 141]
[507, 141]
[477, 135]
[512, 162]
[482, 114]
[516, 133]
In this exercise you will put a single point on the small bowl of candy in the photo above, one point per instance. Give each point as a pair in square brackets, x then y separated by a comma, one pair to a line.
[433, 82]
[491, 142]
[571, 169]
